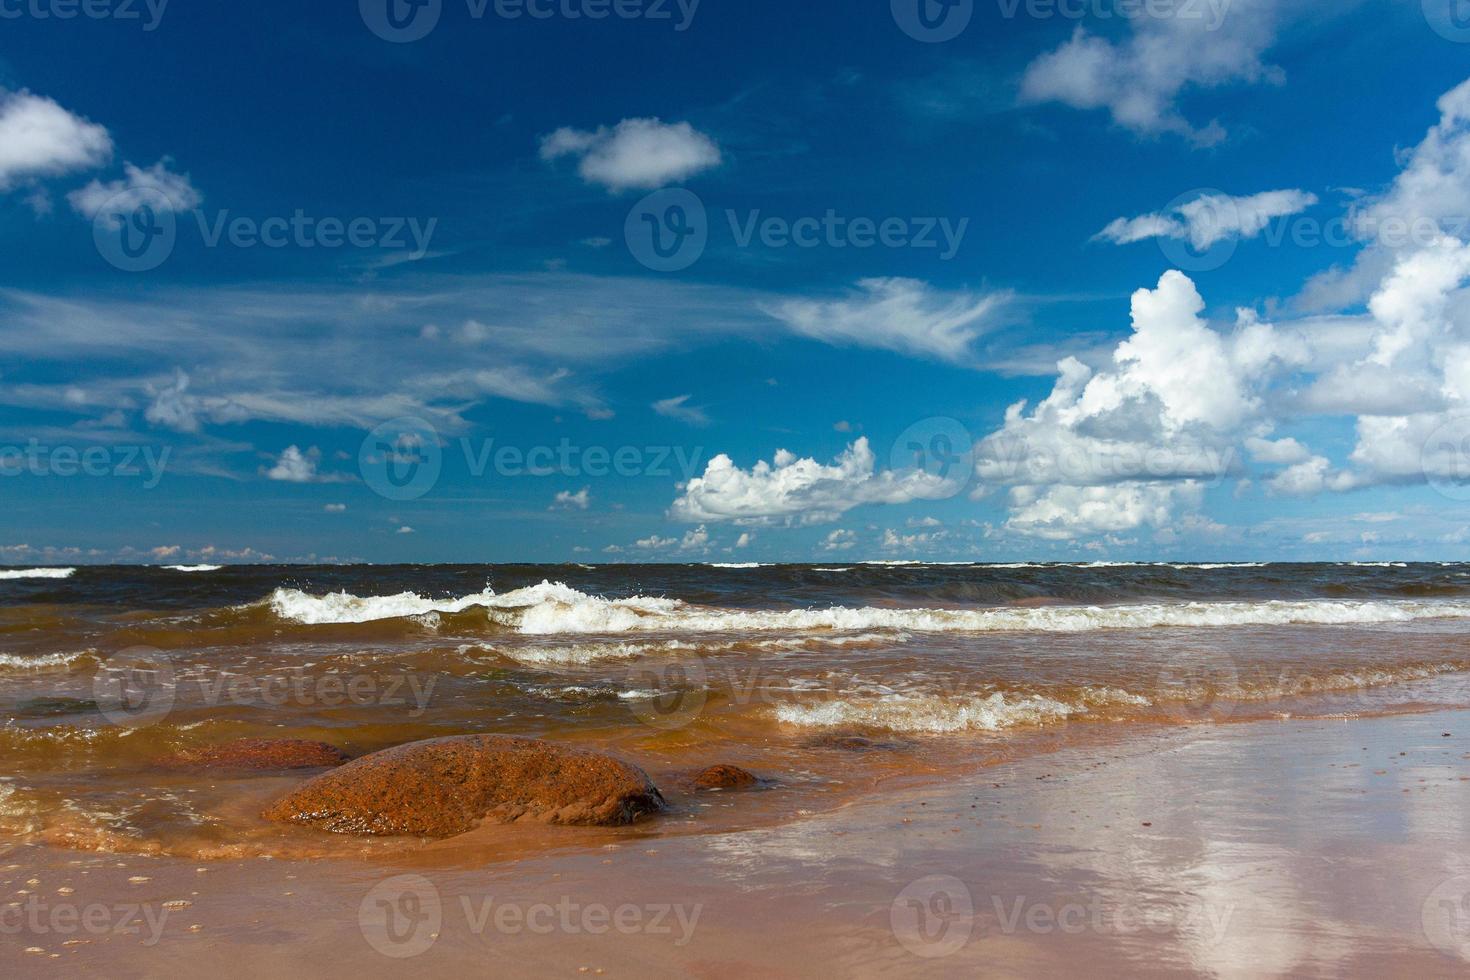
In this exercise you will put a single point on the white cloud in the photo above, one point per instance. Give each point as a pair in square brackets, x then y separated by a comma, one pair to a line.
[1064, 512]
[745, 540]
[799, 491]
[678, 408]
[335, 508]
[903, 315]
[1139, 79]
[1307, 479]
[405, 530]
[1210, 218]
[566, 500]
[636, 153]
[1282, 452]
[839, 540]
[294, 466]
[156, 186]
[38, 138]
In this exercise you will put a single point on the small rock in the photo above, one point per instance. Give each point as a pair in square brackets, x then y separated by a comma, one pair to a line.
[725, 777]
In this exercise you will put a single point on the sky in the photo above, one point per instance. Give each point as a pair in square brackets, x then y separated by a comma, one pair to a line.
[679, 281]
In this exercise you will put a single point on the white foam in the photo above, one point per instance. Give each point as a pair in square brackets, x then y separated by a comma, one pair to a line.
[916, 713]
[738, 564]
[554, 608]
[13, 573]
[42, 662]
[193, 568]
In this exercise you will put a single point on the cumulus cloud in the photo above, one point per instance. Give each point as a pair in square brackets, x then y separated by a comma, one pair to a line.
[1063, 512]
[294, 466]
[903, 315]
[636, 153]
[566, 500]
[799, 490]
[1123, 446]
[1210, 218]
[157, 187]
[679, 408]
[1139, 79]
[839, 540]
[38, 138]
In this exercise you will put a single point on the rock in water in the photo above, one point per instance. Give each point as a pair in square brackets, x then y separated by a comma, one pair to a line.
[259, 754]
[725, 777]
[446, 786]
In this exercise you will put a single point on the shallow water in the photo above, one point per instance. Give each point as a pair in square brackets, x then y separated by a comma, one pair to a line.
[831, 680]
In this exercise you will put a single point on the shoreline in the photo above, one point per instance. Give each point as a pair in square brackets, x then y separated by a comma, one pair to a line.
[1256, 848]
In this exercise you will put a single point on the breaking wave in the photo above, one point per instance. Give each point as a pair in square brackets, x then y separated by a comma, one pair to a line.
[14, 573]
[555, 608]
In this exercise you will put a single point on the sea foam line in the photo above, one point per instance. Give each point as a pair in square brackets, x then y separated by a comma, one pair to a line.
[553, 608]
[14, 573]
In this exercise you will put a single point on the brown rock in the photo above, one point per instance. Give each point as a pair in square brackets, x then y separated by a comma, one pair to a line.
[259, 754]
[446, 786]
[725, 777]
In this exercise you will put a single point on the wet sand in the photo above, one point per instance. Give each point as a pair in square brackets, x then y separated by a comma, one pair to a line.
[1302, 848]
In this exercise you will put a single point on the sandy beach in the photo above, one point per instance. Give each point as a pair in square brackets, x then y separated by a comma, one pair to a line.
[1286, 848]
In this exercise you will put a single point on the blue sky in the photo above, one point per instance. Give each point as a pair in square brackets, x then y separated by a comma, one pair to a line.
[872, 238]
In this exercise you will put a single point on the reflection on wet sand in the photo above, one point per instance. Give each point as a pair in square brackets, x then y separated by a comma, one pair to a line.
[1293, 848]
